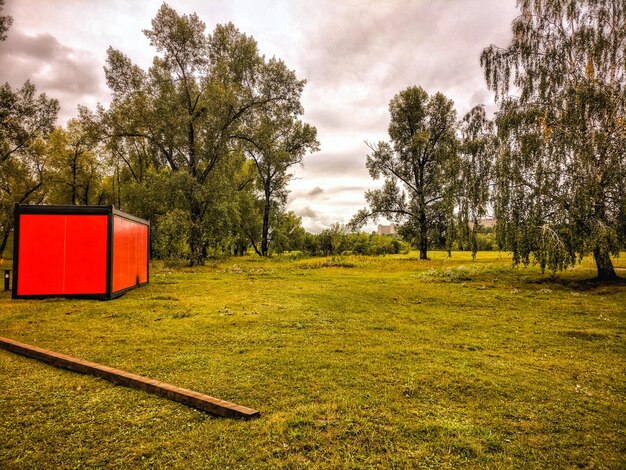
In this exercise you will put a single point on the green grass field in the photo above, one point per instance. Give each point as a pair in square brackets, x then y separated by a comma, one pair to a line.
[353, 362]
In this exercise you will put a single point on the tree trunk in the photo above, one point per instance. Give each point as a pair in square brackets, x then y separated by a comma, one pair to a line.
[196, 243]
[423, 241]
[195, 246]
[4, 241]
[606, 272]
[266, 226]
[473, 239]
[119, 189]
[423, 248]
[74, 171]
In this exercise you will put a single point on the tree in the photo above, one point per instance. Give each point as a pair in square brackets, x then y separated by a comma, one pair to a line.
[277, 142]
[25, 122]
[5, 22]
[287, 232]
[562, 166]
[332, 240]
[249, 227]
[76, 171]
[420, 166]
[477, 152]
[185, 113]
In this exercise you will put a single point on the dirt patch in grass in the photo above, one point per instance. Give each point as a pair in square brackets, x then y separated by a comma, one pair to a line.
[585, 335]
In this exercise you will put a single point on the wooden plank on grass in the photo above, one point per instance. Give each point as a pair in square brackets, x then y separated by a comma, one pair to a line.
[181, 395]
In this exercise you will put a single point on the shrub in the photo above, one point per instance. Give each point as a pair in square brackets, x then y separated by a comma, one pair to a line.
[170, 239]
[486, 242]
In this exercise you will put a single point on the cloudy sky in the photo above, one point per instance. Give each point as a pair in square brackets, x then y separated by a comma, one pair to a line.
[355, 54]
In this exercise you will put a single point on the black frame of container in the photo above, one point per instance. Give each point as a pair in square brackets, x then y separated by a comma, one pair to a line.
[110, 211]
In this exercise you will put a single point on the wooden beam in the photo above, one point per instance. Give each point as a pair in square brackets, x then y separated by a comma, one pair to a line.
[202, 402]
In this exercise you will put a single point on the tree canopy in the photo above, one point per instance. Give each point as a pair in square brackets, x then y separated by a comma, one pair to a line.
[477, 149]
[420, 165]
[275, 141]
[183, 122]
[562, 129]
[26, 119]
[5, 22]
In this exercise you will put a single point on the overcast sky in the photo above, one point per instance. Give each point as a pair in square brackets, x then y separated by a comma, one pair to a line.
[355, 54]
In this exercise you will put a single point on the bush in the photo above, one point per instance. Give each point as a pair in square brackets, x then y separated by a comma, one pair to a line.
[486, 242]
[170, 239]
[384, 245]
[334, 241]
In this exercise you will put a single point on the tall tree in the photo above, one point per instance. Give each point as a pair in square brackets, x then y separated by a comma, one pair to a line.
[250, 223]
[561, 170]
[186, 110]
[25, 121]
[276, 142]
[477, 151]
[420, 165]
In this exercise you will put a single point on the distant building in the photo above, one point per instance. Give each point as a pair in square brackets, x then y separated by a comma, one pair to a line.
[487, 222]
[387, 229]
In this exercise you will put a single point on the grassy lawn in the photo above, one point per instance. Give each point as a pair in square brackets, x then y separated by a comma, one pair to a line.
[353, 362]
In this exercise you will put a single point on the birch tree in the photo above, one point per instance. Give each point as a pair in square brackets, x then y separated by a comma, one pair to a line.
[561, 169]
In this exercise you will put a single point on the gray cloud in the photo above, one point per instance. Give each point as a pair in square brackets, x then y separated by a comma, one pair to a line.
[336, 164]
[355, 54]
[316, 191]
[330, 193]
[71, 75]
[358, 40]
[357, 114]
[361, 53]
[307, 212]
[382, 47]
[343, 189]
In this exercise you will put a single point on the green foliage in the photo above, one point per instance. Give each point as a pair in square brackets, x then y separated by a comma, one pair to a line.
[76, 168]
[191, 115]
[332, 240]
[562, 165]
[276, 141]
[170, 239]
[25, 122]
[420, 166]
[486, 242]
[478, 150]
[5, 22]
[335, 240]
[375, 245]
[482, 241]
[287, 234]
[249, 228]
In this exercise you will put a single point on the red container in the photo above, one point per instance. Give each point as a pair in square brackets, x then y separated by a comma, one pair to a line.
[95, 252]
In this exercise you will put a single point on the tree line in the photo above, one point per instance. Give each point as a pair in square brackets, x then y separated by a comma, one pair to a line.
[551, 166]
[203, 143]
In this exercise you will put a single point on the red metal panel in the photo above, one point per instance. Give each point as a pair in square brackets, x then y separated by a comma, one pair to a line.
[62, 254]
[85, 254]
[120, 250]
[142, 252]
[130, 258]
[40, 263]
